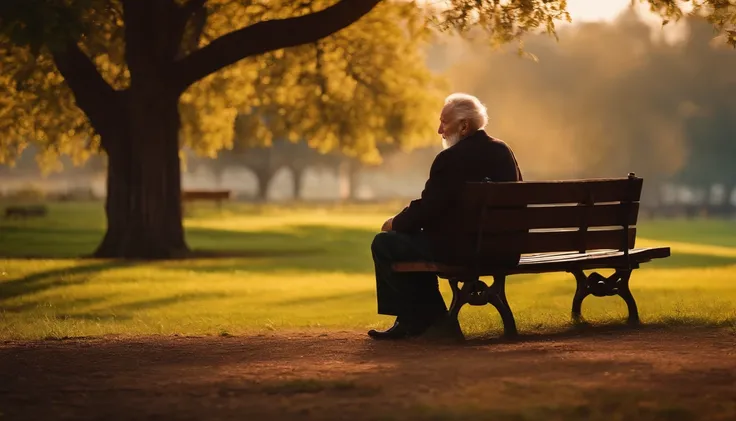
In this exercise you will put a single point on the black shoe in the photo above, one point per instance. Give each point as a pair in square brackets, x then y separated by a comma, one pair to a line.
[397, 331]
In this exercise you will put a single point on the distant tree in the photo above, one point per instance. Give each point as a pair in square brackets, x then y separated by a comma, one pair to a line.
[265, 161]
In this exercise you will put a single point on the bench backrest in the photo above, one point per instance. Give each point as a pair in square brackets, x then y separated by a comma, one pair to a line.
[549, 216]
[189, 195]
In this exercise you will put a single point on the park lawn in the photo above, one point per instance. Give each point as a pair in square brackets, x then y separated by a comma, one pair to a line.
[309, 267]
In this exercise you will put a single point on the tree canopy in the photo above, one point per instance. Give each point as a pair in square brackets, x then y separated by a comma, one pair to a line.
[342, 91]
[360, 87]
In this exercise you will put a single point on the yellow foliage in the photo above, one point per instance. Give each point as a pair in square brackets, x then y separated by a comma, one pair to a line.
[365, 85]
[36, 105]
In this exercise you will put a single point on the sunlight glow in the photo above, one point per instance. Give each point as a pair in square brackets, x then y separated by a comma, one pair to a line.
[595, 10]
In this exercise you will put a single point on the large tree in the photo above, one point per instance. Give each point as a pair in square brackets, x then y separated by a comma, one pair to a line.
[82, 73]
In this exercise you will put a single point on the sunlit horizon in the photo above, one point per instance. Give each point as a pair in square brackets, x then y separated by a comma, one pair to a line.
[583, 11]
[598, 10]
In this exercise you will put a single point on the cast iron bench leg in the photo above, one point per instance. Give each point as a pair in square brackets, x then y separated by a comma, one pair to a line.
[616, 284]
[497, 297]
[459, 297]
[473, 291]
[581, 291]
[625, 293]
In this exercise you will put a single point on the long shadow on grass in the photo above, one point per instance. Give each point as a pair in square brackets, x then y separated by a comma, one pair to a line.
[311, 248]
[61, 277]
[334, 299]
[293, 248]
[123, 311]
[47, 242]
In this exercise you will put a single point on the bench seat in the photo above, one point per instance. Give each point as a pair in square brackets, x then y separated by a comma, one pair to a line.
[546, 262]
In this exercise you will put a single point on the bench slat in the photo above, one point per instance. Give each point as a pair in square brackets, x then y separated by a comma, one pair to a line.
[545, 242]
[526, 218]
[547, 263]
[523, 242]
[551, 192]
[190, 195]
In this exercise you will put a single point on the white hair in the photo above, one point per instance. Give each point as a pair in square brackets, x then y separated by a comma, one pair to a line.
[467, 107]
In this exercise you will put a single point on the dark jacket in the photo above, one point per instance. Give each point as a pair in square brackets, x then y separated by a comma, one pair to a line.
[473, 158]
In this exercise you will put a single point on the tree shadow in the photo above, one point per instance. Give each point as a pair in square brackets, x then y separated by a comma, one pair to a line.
[312, 248]
[333, 299]
[93, 317]
[34, 242]
[41, 281]
[301, 247]
[164, 301]
[122, 311]
[66, 304]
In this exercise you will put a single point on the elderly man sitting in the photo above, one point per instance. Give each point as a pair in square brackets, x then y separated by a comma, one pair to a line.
[469, 155]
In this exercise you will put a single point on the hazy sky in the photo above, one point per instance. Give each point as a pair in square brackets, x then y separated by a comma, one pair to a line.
[595, 10]
[608, 10]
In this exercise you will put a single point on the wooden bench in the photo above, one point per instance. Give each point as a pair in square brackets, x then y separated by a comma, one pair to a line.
[556, 226]
[205, 195]
[37, 211]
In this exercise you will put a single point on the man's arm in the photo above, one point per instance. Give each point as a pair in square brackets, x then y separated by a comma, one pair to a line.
[388, 225]
[435, 199]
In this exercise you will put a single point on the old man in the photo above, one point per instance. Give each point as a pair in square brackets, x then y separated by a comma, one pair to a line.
[469, 154]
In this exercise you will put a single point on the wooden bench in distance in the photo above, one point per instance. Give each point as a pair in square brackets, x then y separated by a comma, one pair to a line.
[205, 195]
[556, 226]
[37, 211]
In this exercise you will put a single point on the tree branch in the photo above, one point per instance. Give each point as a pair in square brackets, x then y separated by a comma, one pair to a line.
[353, 73]
[266, 36]
[192, 6]
[189, 40]
[93, 95]
[193, 11]
[321, 79]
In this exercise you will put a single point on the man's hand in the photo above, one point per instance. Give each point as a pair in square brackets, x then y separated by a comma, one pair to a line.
[387, 226]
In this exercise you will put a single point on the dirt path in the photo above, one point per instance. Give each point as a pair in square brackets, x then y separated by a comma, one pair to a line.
[646, 374]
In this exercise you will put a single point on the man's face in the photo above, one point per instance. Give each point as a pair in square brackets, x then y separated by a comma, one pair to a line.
[449, 128]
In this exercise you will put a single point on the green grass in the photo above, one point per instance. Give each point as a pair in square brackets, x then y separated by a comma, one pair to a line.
[308, 267]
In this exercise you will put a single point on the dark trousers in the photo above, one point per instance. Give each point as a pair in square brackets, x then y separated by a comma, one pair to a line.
[412, 296]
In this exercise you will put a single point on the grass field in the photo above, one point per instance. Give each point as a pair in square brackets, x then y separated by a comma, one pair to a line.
[308, 267]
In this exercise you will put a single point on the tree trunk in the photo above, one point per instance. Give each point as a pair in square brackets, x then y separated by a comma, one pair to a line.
[348, 172]
[354, 182]
[143, 206]
[298, 174]
[263, 179]
[219, 172]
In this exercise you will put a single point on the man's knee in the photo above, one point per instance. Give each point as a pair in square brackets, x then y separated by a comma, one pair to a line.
[382, 243]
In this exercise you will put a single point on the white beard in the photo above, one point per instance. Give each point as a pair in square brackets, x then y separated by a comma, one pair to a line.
[450, 141]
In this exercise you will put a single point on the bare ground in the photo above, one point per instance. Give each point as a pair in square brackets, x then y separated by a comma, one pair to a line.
[604, 374]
